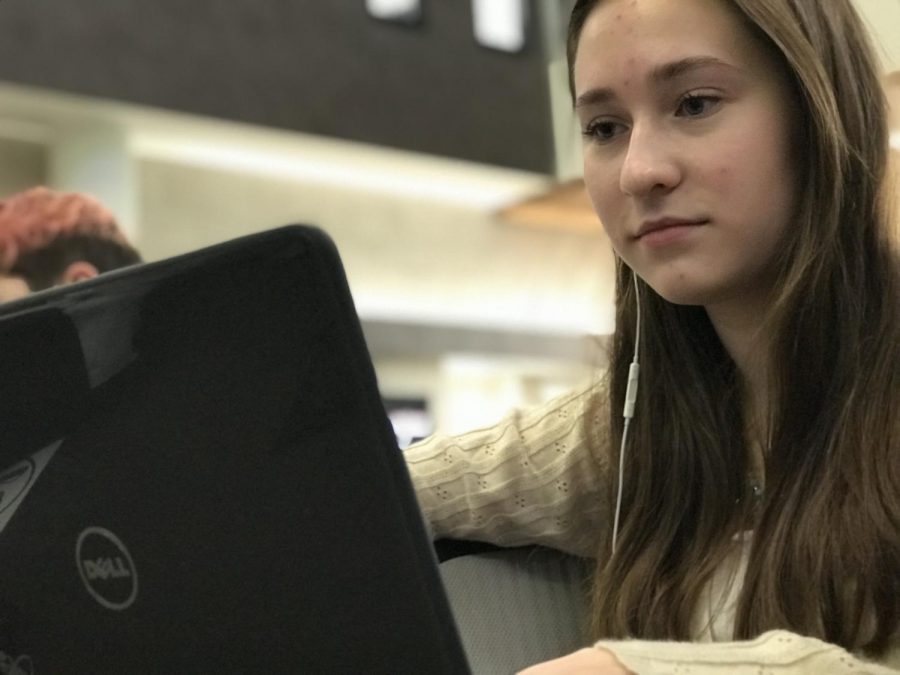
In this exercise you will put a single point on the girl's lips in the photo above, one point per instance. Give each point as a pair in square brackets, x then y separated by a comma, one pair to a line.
[664, 233]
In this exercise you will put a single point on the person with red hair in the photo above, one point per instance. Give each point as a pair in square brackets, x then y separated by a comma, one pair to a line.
[48, 238]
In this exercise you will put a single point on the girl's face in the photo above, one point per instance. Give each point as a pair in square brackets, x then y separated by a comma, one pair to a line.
[687, 121]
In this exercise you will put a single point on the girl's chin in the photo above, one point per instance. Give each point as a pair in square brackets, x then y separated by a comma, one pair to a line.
[682, 294]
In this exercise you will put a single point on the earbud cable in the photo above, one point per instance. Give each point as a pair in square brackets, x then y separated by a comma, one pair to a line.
[628, 412]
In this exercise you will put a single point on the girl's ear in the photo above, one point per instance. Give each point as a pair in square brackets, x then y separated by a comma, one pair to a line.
[78, 271]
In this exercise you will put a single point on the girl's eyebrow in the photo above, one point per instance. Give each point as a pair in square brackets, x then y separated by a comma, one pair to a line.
[675, 69]
[660, 74]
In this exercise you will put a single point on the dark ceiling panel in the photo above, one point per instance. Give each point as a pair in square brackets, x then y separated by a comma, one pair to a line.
[317, 66]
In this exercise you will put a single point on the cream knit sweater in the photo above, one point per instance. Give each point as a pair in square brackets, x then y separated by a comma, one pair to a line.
[532, 479]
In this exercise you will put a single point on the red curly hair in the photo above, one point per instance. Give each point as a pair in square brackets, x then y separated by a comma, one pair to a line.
[31, 220]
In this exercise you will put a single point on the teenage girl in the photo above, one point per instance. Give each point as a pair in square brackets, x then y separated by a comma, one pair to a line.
[744, 512]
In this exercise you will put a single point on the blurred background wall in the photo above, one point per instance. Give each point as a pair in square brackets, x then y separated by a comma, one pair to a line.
[432, 140]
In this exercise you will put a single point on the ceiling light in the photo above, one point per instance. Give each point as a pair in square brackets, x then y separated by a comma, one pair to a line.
[500, 24]
[401, 11]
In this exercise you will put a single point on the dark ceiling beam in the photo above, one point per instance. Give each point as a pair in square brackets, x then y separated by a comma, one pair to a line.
[316, 66]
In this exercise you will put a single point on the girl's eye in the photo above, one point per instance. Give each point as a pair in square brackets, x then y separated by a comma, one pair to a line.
[603, 131]
[694, 105]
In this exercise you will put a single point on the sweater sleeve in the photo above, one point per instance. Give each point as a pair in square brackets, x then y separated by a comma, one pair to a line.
[774, 653]
[537, 477]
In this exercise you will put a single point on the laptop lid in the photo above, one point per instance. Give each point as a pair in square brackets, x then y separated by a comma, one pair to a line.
[197, 475]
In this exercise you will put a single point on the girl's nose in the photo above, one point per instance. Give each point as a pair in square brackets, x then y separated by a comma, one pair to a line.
[649, 166]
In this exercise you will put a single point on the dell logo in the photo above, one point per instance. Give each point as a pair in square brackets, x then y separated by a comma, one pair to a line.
[106, 568]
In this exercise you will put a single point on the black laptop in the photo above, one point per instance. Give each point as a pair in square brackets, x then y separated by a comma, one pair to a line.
[197, 476]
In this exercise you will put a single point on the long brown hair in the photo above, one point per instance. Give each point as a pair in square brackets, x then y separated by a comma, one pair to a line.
[825, 557]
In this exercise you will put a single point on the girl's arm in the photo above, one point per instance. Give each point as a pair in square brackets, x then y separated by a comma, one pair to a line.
[774, 653]
[534, 478]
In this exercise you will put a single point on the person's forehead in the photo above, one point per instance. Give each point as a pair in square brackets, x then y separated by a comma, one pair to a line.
[644, 35]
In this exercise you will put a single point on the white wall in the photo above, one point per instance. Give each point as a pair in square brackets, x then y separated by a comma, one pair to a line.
[883, 19]
[22, 165]
[416, 260]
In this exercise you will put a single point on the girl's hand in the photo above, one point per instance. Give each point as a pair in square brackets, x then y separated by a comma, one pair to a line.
[588, 661]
